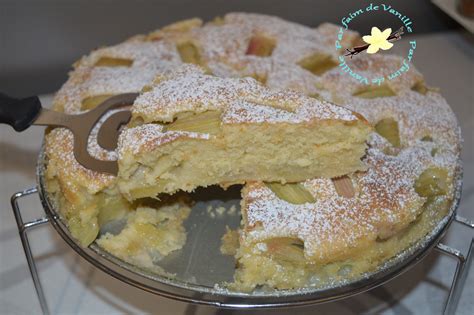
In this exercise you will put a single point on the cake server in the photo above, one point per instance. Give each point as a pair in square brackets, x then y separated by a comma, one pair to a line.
[22, 113]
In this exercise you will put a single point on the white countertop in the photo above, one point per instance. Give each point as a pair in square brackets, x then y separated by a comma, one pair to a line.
[73, 286]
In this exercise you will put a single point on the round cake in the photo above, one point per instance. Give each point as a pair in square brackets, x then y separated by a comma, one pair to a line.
[293, 235]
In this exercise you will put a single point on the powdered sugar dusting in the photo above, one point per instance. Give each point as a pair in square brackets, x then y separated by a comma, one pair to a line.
[241, 111]
[223, 48]
[385, 202]
[294, 41]
[149, 59]
[417, 116]
[145, 138]
[189, 89]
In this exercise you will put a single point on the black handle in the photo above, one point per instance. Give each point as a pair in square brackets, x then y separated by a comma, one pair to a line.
[19, 113]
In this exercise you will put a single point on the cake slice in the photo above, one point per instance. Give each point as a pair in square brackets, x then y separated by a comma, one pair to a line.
[192, 129]
[287, 244]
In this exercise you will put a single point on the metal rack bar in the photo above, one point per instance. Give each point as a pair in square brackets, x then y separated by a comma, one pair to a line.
[22, 229]
[464, 221]
[463, 264]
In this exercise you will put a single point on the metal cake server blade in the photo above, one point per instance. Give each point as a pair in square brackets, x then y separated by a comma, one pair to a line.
[22, 113]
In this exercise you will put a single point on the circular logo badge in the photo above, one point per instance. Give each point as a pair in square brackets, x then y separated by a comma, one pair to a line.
[378, 40]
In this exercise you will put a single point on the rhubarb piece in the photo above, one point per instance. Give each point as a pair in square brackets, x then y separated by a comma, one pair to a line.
[85, 231]
[113, 62]
[371, 92]
[318, 63]
[388, 128]
[189, 53]
[287, 249]
[262, 78]
[432, 182]
[207, 122]
[293, 193]
[344, 186]
[261, 45]
[420, 87]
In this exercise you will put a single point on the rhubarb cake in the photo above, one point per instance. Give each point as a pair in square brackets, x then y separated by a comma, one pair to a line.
[192, 129]
[252, 70]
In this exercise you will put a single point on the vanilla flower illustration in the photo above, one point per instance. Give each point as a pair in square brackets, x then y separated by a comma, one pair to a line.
[378, 40]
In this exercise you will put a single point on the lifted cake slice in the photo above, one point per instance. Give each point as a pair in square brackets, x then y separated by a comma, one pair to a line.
[191, 129]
